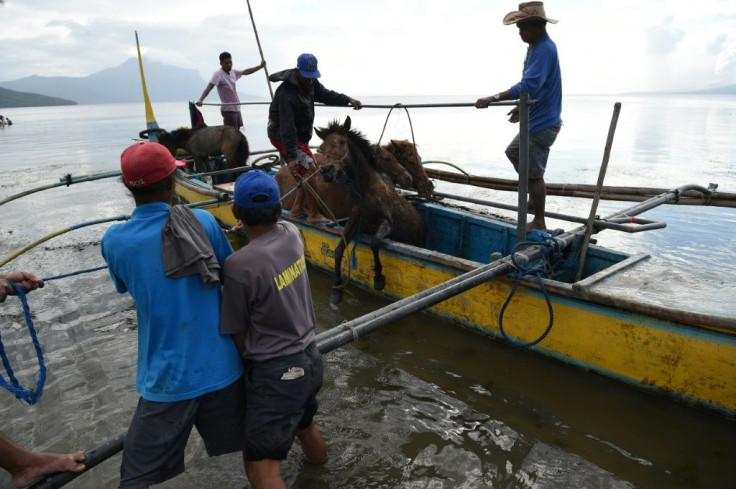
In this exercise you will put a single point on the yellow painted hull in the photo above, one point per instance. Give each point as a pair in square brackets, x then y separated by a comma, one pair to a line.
[684, 360]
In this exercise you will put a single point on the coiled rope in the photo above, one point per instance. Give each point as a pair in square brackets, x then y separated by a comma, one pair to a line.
[30, 396]
[552, 252]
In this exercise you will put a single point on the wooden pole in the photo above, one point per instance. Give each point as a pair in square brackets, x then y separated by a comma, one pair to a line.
[523, 166]
[598, 187]
[258, 41]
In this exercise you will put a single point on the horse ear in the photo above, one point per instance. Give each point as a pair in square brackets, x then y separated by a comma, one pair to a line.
[321, 132]
[347, 123]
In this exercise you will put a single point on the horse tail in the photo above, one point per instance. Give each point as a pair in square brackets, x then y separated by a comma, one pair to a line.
[242, 153]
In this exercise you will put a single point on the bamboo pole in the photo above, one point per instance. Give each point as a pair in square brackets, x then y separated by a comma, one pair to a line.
[523, 166]
[598, 187]
[626, 194]
[258, 41]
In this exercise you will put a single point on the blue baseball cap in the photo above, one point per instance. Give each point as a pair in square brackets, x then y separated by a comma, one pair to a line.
[256, 189]
[307, 65]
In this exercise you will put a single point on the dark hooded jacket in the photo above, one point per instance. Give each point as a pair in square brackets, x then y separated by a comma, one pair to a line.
[291, 115]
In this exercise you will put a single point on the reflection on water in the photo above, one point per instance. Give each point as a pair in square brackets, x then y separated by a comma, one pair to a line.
[416, 405]
[420, 404]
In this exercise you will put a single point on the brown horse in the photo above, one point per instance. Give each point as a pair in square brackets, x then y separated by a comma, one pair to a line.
[335, 198]
[377, 209]
[205, 141]
[406, 154]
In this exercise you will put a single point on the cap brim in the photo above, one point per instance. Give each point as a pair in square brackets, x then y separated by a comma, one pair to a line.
[516, 17]
[310, 74]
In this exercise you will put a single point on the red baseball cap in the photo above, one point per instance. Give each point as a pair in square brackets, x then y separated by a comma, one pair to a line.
[145, 163]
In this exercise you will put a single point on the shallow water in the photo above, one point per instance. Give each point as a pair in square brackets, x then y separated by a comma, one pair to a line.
[420, 404]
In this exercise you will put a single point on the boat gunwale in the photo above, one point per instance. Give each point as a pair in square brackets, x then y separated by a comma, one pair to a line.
[583, 290]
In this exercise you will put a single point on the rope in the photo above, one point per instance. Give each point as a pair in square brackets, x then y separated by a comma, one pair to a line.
[30, 396]
[411, 126]
[551, 248]
[78, 272]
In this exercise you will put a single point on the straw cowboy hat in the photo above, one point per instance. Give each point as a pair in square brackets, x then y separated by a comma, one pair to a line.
[527, 11]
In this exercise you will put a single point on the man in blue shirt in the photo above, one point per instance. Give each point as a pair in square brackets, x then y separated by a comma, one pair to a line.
[188, 373]
[541, 79]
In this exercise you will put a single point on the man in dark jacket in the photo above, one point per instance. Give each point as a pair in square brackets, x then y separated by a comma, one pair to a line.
[290, 124]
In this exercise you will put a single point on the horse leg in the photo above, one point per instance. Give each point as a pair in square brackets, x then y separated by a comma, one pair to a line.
[351, 229]
[336, 293]
[200, 164]
[379, 280]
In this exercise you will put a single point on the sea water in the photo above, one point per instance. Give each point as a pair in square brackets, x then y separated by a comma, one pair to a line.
[420, 404]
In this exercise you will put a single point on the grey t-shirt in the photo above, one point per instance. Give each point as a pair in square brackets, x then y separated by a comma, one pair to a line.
[266, 295]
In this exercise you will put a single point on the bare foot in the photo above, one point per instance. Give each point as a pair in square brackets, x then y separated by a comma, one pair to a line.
[44, 464]
[535, 225]
[316, 218]
[297, 211]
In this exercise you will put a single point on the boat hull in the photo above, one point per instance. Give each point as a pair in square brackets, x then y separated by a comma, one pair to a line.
[687, 357]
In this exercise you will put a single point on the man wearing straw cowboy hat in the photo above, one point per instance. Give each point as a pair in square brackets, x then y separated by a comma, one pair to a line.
[541, 79]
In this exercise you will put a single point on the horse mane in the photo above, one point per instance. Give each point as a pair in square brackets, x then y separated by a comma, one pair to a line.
[358, 142]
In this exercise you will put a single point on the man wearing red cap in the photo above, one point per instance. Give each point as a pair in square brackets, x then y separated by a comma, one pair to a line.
[542, 80]
[188, 374]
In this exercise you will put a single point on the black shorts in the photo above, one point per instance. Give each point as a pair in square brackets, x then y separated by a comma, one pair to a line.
[281, 399]
[153, 450]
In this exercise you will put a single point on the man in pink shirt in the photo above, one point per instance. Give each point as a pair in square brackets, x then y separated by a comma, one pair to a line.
[224, 79]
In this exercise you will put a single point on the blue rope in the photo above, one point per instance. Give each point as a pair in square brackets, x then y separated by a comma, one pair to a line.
[78, 272]
[30, 396]
[552, 251]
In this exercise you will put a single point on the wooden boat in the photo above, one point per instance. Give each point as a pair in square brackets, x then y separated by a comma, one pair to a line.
[687, 356]
[683, 355]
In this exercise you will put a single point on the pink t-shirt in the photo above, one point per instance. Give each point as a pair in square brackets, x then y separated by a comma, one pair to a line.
[225, 83]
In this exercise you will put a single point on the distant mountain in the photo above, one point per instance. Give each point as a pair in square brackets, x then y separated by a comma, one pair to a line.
[118, 85]
[11, 98]
[724, 90]
[727, 90]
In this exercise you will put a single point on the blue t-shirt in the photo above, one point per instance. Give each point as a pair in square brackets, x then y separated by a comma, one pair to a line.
[181, 353]
[542, 81]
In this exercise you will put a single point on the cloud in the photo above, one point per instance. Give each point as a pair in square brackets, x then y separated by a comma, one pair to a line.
[391, 47]
[726, 65]
[662, 39]
[715, 46]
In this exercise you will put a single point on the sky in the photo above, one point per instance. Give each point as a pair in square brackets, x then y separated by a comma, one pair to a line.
[382, 47]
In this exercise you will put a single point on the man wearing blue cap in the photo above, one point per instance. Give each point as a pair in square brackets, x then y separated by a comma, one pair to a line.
[267, 307]
[291, 121]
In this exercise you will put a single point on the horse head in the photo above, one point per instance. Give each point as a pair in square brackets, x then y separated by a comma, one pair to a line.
[346, 153]
[407, 155]
[390, 166]
[165, 139]
[174, 140]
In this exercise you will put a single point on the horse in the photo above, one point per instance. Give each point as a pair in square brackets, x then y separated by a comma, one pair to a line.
[205, 141]
[406, 154]
[377, 208]
[336, 198]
